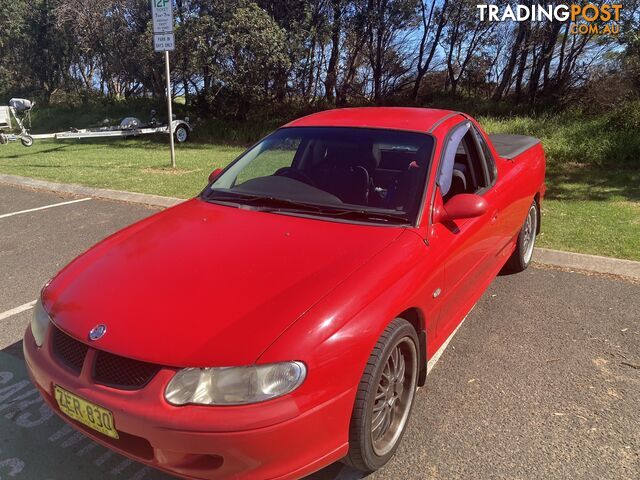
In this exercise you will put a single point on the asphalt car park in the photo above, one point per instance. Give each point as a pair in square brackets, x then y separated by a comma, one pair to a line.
[541, 381]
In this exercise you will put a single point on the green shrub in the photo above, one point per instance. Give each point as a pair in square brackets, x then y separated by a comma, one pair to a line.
[625, 117]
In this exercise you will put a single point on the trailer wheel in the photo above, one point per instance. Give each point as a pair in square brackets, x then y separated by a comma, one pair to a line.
[181, 134]
[26, 140]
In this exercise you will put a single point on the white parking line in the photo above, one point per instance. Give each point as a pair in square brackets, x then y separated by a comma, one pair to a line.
[5, 215]
[17, 310]
[436, 356]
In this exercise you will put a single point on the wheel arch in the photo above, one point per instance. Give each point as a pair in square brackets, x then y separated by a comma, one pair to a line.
[181, 123]
[536, 198]
[415, 317]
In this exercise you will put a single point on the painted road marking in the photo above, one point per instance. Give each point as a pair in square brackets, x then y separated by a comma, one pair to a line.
[5, 215]
[33, 440]
[17, 310]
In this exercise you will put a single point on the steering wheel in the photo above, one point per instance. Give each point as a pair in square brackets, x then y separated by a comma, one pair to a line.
[294, 174]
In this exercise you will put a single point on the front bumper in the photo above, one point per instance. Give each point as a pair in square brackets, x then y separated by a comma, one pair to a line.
[273, 440]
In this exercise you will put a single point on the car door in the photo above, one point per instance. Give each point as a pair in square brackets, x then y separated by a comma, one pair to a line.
[504, 216]
[469, 245]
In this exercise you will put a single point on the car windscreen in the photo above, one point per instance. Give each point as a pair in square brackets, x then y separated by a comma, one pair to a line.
[361, 174]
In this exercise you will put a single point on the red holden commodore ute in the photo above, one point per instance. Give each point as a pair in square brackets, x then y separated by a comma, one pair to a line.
[283, 319]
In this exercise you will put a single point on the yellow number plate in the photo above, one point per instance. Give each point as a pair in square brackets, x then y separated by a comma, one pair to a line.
[87, 413]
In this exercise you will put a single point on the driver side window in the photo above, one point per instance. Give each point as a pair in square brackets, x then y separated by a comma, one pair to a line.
[464, 169]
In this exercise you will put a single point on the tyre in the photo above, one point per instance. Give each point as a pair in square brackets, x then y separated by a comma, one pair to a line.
[26, 140]
[521, 257]
[384, 399]
[181, 134]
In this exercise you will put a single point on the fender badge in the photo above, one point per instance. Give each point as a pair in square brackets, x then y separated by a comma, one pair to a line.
[97, 332]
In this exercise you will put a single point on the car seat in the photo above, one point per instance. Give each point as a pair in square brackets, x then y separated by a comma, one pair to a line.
[346, 173]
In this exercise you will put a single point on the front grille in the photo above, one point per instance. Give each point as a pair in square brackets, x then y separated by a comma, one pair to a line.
[120, 372]
[108, 369]
[68, 350]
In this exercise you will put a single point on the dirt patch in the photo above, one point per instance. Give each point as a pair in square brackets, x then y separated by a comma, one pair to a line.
[628, 203]
[167, 171]
[570, 167]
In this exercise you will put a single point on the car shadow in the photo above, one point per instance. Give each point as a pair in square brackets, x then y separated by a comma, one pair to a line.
[36, 444]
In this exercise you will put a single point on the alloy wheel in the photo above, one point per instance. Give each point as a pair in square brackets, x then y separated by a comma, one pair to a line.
[529, 234]
[394, 396]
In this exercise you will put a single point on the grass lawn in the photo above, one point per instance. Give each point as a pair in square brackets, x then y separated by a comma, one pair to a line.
[592, 206]
[593, 180]
[137, 165]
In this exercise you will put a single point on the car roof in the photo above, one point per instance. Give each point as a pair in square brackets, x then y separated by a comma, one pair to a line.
[395, 118]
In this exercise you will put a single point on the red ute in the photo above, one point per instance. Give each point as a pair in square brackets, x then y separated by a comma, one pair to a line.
[283, 319]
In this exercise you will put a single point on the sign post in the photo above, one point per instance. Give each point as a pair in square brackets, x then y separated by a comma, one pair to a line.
[164, 41]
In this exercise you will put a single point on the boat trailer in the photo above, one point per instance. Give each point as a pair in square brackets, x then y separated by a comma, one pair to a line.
[128, 127]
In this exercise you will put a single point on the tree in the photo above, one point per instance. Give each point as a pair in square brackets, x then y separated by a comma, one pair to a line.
[336, 20]
[13, 32]
[44, 49]
[630, 40]
[233, 56]
[255, 51]
[516, 52]
[464, 37]
[387, 22]
[429, 38]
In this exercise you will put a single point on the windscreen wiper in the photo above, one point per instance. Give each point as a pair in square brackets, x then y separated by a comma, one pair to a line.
[283, 205]
[271, 204]
[367, 215]
[264, 203]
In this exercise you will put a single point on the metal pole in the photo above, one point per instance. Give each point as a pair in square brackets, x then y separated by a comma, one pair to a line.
[167, 73]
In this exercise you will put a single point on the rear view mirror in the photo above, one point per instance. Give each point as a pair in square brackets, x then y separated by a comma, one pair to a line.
[463, 205]
[213, 175]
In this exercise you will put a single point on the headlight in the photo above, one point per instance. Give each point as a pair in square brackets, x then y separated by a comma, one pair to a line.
[234, 385]
[39, 323]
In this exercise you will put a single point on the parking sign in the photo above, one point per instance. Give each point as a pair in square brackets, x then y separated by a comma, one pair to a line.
[162, 14]
[163, 42]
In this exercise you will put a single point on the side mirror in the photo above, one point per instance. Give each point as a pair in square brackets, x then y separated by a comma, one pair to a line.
[213, 175]
[463, 205]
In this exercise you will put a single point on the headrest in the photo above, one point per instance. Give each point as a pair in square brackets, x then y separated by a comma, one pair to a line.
[350, 155]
